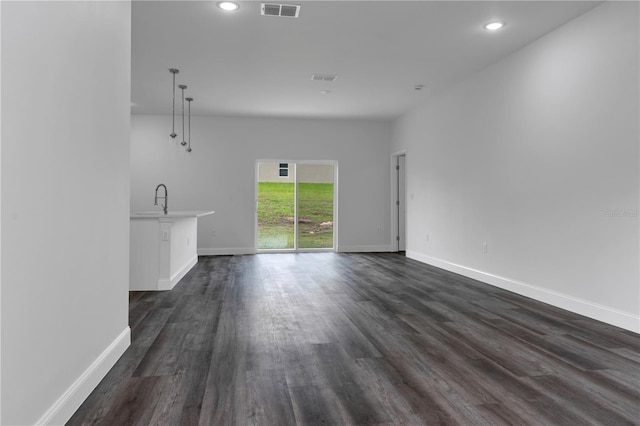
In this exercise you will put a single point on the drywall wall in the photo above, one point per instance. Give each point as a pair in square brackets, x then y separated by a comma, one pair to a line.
[0, 218]
[220, 173]
[537, 156]
[65, 203]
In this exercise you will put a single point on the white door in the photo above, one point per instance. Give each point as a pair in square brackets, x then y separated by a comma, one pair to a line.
[402, 203]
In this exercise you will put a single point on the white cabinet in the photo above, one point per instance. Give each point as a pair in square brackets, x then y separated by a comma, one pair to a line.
[163, 248]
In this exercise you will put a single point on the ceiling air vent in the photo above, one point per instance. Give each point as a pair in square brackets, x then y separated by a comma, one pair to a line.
[324, 77]
[285, 10]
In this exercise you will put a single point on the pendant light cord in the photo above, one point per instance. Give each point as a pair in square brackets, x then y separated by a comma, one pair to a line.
[182, 86]
[189, 125]
[173, 71]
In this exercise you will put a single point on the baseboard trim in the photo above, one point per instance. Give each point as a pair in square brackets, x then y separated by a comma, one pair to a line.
[251, 250]
[364, 248]
[62, 410]
[612, 316]
[164, 284]
[226, 251]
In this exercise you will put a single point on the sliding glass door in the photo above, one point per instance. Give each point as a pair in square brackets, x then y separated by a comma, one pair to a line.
[295, 205]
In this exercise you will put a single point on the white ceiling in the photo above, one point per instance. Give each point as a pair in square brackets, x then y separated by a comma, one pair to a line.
[245, 64]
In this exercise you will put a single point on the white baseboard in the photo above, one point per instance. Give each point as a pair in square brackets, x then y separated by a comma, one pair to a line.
[226, 251]
[603, 313]
[168, 284]
[365, 248]
[251, 250]
[62, 410]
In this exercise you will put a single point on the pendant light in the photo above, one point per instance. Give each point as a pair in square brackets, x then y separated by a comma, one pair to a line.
[189, 124]
[182, 86]
[173, 134]
[173, 113]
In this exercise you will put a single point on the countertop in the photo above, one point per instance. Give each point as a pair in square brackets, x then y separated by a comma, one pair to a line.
[170, 215]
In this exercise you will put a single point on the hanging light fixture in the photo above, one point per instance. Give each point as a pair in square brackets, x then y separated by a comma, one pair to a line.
[189, 124]
[173, 113]
[182, 86]
[173, 134]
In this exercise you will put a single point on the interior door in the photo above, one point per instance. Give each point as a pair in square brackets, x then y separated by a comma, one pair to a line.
[402, 203]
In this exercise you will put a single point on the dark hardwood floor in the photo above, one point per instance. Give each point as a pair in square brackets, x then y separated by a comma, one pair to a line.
[360, 339]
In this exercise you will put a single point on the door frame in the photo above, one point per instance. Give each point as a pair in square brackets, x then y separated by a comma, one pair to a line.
[296, 249]
[396, 221]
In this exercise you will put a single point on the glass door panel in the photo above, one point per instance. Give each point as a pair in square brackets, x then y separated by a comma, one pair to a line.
[276, 206]
[315, 205]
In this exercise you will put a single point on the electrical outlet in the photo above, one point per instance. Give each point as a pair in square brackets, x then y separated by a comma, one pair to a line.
[427, 237]
[484, 247]
[165, 235]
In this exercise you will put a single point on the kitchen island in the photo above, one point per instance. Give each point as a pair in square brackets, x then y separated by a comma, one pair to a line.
[163, 248]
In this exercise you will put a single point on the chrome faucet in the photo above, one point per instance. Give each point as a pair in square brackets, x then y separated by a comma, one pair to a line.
[165, 198]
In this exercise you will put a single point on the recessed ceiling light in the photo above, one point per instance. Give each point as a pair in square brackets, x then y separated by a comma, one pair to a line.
[418, 87]
[494, 25]
[228, 5]
[325, 92]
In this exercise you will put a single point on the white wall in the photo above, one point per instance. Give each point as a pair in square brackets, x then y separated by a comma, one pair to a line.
[65, 202]
[538, 157]
[0, 218]
[220, 173]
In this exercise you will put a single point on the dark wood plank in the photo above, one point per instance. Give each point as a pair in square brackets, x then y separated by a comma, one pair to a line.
[136, 403]
[316, 405]
[360, 339]
[268, 399]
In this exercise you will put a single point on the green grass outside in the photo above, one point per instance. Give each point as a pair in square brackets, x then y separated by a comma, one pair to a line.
[276, 215]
